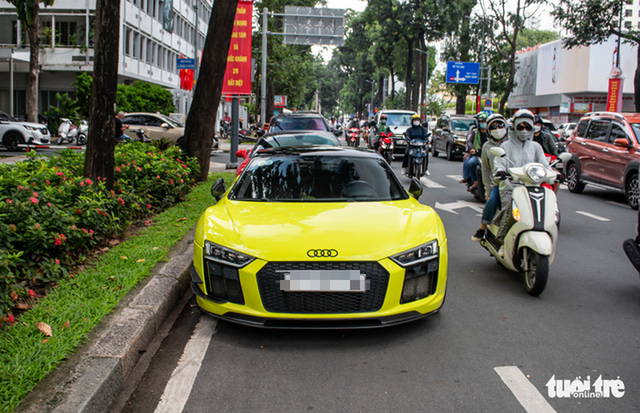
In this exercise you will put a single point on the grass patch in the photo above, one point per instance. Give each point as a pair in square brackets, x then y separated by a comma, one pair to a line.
[80, 302]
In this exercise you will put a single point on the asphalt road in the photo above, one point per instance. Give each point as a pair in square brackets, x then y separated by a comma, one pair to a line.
[585, 325]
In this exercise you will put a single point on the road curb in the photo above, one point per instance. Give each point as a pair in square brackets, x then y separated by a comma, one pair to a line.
[92, 380]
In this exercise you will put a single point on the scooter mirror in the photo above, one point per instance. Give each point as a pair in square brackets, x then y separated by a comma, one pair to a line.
[415, 188]
[496, 151]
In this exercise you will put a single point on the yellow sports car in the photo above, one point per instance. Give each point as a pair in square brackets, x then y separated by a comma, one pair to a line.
[319, 237]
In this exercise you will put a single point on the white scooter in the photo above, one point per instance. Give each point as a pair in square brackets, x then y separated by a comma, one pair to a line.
[530, 242]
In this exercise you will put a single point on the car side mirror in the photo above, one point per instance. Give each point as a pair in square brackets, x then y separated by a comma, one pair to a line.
[415, 188]
[218, 189]
[497, 152]
[622, 142]
[165, 125]
[260, 133]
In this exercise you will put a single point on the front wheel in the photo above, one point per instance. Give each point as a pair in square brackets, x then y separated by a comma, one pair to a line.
[449, 153]
[632, 191]
[573, 180]
[537, 273]
[418, 170]
[12, 140]
[388, 157]
[433, 150]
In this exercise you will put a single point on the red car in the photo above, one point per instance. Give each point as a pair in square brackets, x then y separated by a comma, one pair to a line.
[604, 151]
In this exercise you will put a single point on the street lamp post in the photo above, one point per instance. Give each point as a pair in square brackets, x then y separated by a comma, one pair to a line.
[373, 82]
[426, 78]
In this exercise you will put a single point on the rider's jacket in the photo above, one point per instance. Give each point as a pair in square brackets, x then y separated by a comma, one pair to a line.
[416, 132]
[520, 153]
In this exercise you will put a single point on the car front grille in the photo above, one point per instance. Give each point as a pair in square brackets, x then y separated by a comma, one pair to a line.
[278, 301]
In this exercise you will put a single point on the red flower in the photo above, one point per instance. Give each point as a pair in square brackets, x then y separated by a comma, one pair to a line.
[37, 226]
[48, 204]
[48, 182]
[31, 292]
[181, 181]
[9, 319]
[9, 201]
[12, 227]
[34, 200]
[118, 169]
[184, 166]
[157, 176]
[59, 239]
[121, 201]
[20, 187]
[59, 173]
[148, 206]
[171, 181]
[147, 223]
[13, 295]
[88, 181]
[81, 183]
[35, 194]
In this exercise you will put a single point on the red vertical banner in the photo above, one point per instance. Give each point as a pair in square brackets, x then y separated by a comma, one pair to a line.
[237, 77]
[614, 97]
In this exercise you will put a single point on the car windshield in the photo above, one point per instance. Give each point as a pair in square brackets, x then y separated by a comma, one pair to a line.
[6, 117]
[636, 130]
[317, 178]
[299, 124]
[459, 125]
[172, 122]
[399, 119]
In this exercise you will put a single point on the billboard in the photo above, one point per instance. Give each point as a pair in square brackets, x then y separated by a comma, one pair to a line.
[309, 25]
[237, 77]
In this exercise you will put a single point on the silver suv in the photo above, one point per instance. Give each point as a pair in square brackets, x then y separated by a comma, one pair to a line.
[14, 133]
[398, 121]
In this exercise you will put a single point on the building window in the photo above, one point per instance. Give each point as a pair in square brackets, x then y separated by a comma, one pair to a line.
[628, 12]
[627, 25]
[136, 45]
[127, 42]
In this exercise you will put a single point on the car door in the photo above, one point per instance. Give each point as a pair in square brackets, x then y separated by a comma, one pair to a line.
[591, 149]
[440, 134]
[614, 159]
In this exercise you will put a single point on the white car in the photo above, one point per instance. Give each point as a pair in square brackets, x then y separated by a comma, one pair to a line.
[398, 121]
[14, 133]
[566, 129]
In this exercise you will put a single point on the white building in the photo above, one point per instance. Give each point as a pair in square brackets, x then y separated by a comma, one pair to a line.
[631, 14]
[153, 34]
[563, 84]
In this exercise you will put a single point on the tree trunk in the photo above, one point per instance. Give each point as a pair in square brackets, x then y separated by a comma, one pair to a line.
[510, 82]
[415, 92]
[393, 83]
[99, 155]
[461, 104]
[33, 32]
[408, 79]
[636, 80]
[200, 127]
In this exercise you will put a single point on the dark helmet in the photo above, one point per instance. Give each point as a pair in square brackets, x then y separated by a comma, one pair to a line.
[537, 119]
[383, 116]
[482, 117]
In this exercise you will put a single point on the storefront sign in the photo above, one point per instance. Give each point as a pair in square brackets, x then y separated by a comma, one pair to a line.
[581, 108]
[614, 96]
[237, 77]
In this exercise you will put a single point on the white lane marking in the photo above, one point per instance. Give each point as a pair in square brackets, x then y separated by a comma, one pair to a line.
[178, 389]
[452, 206]
[455, 177]
[619, 204]
[526, 393]
[587, 214]
[431, 184]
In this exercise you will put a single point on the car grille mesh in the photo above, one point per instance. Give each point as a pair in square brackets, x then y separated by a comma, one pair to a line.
[277, 301]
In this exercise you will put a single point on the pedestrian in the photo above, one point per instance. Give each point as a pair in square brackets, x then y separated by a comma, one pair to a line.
[120, 127]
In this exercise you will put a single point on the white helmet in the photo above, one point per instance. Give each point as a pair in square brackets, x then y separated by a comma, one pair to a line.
[523, 125]
[497, 127]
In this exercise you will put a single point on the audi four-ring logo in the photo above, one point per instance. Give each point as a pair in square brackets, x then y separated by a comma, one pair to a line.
[322, 253]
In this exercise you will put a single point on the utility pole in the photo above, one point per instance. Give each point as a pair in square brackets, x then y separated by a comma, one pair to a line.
[263, 80]
[373, 82]
[196, 70]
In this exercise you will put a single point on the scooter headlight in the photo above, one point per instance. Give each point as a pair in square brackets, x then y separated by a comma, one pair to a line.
[515, 211]
[537, 173]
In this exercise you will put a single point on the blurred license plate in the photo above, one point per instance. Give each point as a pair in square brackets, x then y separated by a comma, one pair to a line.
[324, 281]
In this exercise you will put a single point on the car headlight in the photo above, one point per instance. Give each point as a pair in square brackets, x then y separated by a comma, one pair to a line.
[30, 128]
[223, 255]
[461, 140]
[424, 252]
[536, 173]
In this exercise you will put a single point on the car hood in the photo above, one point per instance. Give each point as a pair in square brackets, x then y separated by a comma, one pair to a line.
[287, 231]
[33, 125]
[400, 129]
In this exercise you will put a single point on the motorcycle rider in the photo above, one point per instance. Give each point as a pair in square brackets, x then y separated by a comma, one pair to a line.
[520, 150]
[475, 139]
[497, 127]
[355, 123]
[416, 131]
[544, 137]
[381, 127]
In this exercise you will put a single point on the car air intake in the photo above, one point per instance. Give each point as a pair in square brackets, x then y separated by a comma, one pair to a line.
[223, 282]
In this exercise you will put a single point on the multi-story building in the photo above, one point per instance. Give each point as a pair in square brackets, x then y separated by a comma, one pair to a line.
[153, 34]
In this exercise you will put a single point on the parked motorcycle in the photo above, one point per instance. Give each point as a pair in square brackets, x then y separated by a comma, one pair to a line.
[225, 130]
[67, 131]
[417, 157]
[83, 132]
[385, 146]
[353, 137]
[526, 240]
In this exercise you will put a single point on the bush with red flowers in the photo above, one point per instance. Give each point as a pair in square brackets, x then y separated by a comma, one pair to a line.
[51, 217]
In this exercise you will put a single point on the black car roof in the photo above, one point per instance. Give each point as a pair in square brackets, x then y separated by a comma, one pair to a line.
[324, 150]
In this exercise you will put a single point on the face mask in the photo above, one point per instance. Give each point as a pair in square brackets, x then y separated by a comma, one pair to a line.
[536, 128]
[524, 135]
[416, 123]
[483, 125]
[383, 122]
[499, 134]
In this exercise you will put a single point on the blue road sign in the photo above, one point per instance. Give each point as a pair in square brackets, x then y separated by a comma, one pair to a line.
[186, 64]
[463, 73]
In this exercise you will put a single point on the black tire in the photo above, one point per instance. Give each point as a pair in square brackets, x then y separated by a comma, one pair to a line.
[82, 140]
[418, 170]
[573, 179]
[11, 141]
[537, 275]
[433, 149]
[449, 153]
[388, 157]
[632, 191]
